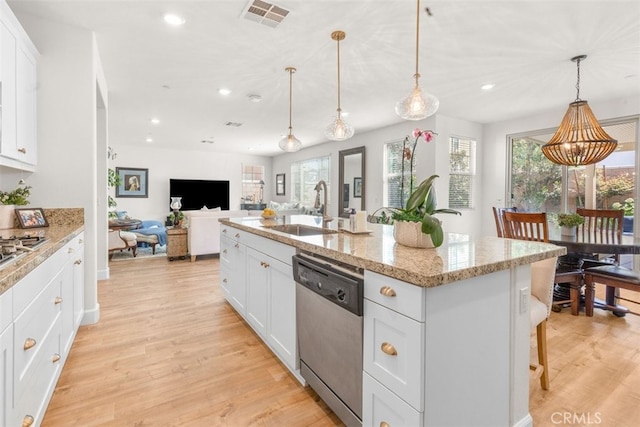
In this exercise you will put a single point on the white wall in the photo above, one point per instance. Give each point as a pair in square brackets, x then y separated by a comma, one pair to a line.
[431, 158]
[494, 155]
[67, 127]
[164, 164]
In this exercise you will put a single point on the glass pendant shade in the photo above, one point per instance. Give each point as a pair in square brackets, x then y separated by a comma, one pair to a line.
[290, 144]
[338, 129]
[579, 140]
[417, 106]
[176, 203]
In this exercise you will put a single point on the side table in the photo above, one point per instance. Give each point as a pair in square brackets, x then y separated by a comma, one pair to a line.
[176, 243]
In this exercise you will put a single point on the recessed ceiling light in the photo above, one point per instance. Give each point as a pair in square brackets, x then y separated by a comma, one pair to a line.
[487, 86]
[173, 19]
[149, 139]
[254, 98]
[155, 120]
[224, 91]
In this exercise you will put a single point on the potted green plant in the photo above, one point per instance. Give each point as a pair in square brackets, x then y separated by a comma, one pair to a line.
[9, 200]
[176, 222]
[568, 223]
[416, 225]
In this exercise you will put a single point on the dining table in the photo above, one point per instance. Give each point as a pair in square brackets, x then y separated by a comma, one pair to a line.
[583, 246]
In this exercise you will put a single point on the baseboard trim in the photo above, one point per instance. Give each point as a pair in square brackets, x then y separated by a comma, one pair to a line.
[103, 274]
[91, 316]
[527, 421]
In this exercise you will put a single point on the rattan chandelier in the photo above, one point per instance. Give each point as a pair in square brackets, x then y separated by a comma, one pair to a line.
[579, 140]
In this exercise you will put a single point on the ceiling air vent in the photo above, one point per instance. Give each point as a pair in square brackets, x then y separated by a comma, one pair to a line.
[233, 124]
[265, 13]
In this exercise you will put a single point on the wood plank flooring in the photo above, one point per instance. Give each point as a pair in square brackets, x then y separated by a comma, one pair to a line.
[169, 351]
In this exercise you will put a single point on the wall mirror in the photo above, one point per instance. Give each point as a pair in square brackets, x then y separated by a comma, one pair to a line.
[352, 181]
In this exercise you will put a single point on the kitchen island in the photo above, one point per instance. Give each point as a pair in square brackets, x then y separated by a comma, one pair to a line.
[458, 316]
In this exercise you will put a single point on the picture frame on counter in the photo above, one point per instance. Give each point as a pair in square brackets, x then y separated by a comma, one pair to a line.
[134, 182]
[31, 218]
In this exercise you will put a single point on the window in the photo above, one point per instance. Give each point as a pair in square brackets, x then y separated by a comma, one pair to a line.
[252, 183]
[305, 174]
[393, 175]
[462, 169]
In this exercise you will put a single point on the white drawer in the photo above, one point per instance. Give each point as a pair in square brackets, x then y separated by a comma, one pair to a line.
[35, 323]
[33, 389]
[392, 293]
[393, 351]
[26, 290]
[232, 233]
[225, 248]
[271, 248]
[381, 406]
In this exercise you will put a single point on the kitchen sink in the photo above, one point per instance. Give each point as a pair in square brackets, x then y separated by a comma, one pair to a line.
[301, 230]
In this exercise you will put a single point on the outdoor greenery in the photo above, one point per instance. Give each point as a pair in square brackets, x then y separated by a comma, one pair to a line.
[18, 197]
[569, 219]
[113, 180]
[628, 206]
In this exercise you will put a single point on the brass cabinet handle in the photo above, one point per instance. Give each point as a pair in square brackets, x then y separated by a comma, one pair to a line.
[389, 349]
[78, 262]
[264, 264]
[27, 421]
[224, 251]
[29, 343]
[70, 251]
[58, 300]
[387, 291]
[384, 424]
[237, 245]
[237, 235]
[56, 357]
[80, 241]
[224, 280]
[22, 150]
[224, 230]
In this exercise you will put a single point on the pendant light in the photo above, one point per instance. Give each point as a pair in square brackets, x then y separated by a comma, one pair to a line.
[418, 105]
[579, 140]
[338, 130]
[290, 143]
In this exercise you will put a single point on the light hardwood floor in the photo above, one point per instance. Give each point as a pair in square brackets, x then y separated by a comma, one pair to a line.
[169, 351]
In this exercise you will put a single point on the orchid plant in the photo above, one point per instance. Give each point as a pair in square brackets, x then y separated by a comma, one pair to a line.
[408, 153]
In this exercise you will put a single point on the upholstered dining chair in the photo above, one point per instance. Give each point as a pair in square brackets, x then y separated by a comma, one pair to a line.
[497, 216]
[534, 227]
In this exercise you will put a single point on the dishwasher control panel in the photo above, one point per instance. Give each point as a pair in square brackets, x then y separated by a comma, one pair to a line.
[332, 282]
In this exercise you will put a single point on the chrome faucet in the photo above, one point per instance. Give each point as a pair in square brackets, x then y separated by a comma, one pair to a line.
[326, 219]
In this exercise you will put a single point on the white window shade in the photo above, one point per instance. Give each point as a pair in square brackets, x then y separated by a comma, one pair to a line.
[462, 153]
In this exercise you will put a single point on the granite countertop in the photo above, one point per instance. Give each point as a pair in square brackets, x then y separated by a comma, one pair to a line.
[460, 257]
[58, 236]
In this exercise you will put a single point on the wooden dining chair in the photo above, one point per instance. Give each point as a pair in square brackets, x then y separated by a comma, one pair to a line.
[497, 216]
[533, 227]
[526, 226]
[603, 225]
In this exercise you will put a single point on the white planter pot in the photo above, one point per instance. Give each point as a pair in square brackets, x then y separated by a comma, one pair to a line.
[7, 216]
[410, 234]
[568, 231]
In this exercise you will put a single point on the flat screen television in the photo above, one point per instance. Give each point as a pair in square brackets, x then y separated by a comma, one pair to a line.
[197, 193]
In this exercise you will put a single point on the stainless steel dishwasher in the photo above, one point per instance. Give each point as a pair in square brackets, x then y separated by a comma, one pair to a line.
[329, 300]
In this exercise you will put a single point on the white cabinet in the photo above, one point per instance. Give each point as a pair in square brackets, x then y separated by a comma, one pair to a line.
[45, 309]
[233, 273]
[18, 84]
[265, 297]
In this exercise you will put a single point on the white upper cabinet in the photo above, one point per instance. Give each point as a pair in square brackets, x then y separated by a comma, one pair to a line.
[18, 83]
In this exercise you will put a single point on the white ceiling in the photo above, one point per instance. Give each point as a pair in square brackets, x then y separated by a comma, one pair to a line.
[523, 47]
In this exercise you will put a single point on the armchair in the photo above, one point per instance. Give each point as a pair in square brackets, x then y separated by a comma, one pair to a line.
[152, 233]
[120, 240]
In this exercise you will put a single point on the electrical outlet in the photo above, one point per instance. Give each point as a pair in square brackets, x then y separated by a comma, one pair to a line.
[524, 300]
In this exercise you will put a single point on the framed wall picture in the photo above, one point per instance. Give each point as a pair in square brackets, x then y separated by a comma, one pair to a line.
[357, 187]
[133, 182]
[280, 184]
[31, 218]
